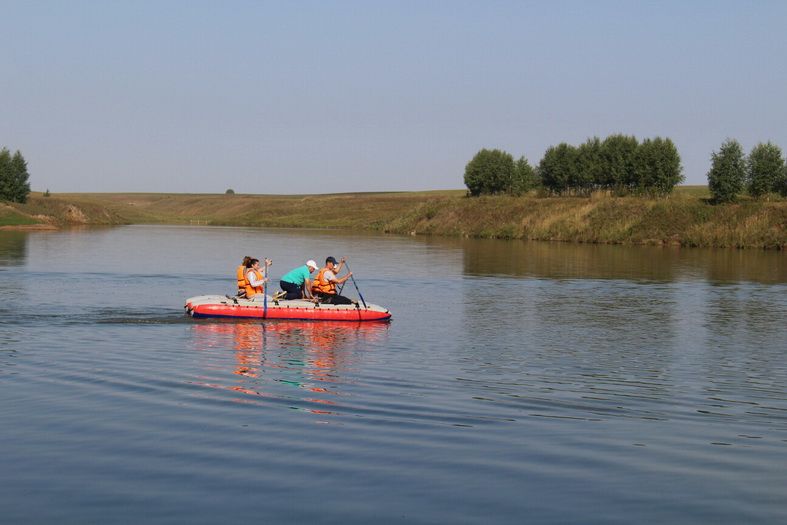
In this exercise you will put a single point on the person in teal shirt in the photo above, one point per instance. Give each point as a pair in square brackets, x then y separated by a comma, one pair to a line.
[296, 283]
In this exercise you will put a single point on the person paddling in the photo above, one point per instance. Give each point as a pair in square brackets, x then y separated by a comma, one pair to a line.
[296, 283]
[324, 285]
[255, 280]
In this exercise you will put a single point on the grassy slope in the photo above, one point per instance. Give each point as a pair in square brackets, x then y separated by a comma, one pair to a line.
[349, 210]
[10, 216]
[684, 218]
[681, 219]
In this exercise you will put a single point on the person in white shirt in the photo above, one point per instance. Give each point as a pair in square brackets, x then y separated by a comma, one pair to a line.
[255, 279]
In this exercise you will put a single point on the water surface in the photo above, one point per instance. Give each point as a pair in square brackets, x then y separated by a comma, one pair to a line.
[518, 382]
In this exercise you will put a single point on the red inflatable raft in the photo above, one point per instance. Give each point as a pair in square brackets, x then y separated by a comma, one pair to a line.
[236, 307]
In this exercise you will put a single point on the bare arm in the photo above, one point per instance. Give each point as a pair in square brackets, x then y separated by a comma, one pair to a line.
[252, 277]
[340, 280]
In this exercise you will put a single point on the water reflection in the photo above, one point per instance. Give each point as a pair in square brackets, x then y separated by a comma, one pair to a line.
[568, 331]
[735, 318]
[276, 359]
[591, 261]
[573, 348]
[13, 254]
[13, 248]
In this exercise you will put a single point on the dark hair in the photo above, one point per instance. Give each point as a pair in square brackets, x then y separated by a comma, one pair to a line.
[251, 262]
[246, 260]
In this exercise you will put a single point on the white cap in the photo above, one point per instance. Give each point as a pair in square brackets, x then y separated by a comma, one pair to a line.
[312, 264]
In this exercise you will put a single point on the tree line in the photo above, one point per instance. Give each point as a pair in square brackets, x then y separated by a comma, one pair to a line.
[14, 186]
[619, 163]
[623, 165]
[761, 173]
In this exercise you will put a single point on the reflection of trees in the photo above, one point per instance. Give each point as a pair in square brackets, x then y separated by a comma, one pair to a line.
[571, 340]
[13, 248]
[589, 325]
[310, 356]
[593, 261]
[745, 330]
[568, 260]
[741, 265]
[13, 253]
[601, 331]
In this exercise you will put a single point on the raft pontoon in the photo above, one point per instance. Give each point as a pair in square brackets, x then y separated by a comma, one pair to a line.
[298, 309]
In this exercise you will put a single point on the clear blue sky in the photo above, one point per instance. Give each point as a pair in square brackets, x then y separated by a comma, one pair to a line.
[318, 97]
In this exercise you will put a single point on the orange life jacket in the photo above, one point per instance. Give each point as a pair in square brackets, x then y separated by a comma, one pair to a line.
[322, 285]
[241, 275]
[251, 291]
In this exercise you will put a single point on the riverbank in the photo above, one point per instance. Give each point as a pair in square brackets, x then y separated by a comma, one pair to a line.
[684, 218]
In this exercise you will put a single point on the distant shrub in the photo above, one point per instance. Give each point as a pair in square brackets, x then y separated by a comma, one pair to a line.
[525, 178]
[619, 156]
[617, 163]
[46, 193]
[657, 167]
[764, 169]
[229, 191]
[558, 167]
[728, 172]
[589, 172]
[489, 172]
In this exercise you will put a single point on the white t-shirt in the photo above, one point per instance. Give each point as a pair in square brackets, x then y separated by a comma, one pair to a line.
[252, 276]
[329, 275]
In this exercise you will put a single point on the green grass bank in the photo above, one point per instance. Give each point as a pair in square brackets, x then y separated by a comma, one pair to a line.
[685, 218]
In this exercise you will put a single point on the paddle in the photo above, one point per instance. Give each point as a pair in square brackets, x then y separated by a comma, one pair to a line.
[356, 285]
[341, 288]
[268, 262]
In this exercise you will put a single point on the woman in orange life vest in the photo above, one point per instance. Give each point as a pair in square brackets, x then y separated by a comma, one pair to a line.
[324, 285]
[240, 273]
[255, 280]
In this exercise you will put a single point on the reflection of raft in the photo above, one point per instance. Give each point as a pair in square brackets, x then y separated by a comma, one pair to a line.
[225, 306]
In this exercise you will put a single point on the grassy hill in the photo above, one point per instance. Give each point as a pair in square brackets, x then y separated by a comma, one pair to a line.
[685, 218]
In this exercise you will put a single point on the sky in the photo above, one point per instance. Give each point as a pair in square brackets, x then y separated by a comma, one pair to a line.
[343, 96]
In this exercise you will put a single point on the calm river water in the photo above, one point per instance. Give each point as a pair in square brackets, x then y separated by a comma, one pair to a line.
[518, 382]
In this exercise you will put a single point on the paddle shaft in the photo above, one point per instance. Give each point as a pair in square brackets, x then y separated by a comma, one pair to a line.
[265, 291]
[355, 284]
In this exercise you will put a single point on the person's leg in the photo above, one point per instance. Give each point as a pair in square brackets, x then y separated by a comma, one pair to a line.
[340, 299]
[293, 290]
[334, 299]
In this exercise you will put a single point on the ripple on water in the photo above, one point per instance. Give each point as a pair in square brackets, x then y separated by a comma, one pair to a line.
[500, 390]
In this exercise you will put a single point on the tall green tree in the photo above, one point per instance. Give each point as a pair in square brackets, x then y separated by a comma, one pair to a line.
[657, 167]
[14, 184]
[764, 168]
[728, 172]
[489, 172]
[781, 184]
[20, 184]
[5, 174]
[590, 172]
[524, 177]
[619, 154]
[558, 168]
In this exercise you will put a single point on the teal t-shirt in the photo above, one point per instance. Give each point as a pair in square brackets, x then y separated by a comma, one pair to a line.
[297, 276]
